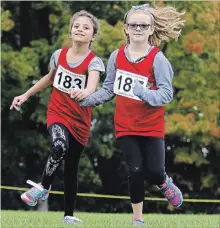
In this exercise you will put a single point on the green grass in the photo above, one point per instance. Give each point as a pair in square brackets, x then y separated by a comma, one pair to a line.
[97, 220]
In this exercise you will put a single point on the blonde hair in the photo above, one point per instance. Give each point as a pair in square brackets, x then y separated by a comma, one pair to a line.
[166, 22]
[84, 13]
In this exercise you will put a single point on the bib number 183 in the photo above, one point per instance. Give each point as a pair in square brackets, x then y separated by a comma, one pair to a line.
[65, 80]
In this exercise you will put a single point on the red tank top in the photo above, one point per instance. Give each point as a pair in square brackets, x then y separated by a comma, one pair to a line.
[133, 117]
[63, 109]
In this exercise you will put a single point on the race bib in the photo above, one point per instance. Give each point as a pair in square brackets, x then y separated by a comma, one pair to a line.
[65, 80]
[124, 82]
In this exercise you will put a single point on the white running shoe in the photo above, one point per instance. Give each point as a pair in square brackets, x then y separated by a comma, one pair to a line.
[72, 220]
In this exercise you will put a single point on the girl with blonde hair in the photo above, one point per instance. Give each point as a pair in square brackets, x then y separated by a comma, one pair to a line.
[140, 77]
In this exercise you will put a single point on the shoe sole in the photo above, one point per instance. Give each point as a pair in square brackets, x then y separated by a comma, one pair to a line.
[137, 223]
[177, 206]
[67, 222]
[72, 221]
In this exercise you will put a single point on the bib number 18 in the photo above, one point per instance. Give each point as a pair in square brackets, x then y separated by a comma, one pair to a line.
[127, 84]
[124, 82]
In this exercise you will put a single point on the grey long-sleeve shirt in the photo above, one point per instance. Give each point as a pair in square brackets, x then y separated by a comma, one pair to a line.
[163, 74]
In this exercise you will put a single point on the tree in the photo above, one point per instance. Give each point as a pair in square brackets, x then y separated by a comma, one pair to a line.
[193, 116]
[192, 119]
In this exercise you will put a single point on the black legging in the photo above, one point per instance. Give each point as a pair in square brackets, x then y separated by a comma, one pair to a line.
[145, 159]
[64, 147]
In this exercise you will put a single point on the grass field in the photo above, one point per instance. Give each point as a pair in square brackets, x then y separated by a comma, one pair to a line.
[26, 219]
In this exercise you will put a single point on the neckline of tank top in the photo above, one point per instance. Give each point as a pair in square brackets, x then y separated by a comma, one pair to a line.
[80, 61]
[139, 59]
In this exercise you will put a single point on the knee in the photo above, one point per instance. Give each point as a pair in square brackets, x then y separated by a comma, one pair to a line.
[59, 149]
[156, 177]
[135, 171]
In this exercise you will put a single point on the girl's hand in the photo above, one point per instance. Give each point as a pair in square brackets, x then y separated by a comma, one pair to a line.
[138, 89]
[78, 94]
[18, 101]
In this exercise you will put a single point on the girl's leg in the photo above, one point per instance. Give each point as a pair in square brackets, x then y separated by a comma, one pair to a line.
[132, 154]
[60, 145]
[154, 163]
[137, 211]
[153, 150]
[72, 159]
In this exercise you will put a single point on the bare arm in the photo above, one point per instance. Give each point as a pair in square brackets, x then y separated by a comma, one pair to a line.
[40, 85]
[93, 79]
[106, 93]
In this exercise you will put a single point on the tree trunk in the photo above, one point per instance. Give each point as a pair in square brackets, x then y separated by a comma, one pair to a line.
[25, 24]
[43, 24]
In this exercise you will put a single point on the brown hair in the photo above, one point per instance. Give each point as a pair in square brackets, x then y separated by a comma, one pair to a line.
[84, 13]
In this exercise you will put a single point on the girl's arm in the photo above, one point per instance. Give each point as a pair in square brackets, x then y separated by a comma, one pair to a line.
[40, 85]
[163, 74]
[106, 92]
[95, 69]
[80, 94]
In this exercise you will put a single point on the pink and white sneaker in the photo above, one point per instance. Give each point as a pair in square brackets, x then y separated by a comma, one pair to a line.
[37, 192]
[172, 193]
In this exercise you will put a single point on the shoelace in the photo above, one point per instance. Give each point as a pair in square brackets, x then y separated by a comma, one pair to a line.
[35, 190]
[169, 193]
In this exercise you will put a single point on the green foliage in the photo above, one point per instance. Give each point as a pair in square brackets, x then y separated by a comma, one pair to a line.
[109, 38]
[88, 177]
[6, 22]
[100, 220]
[192, 120]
